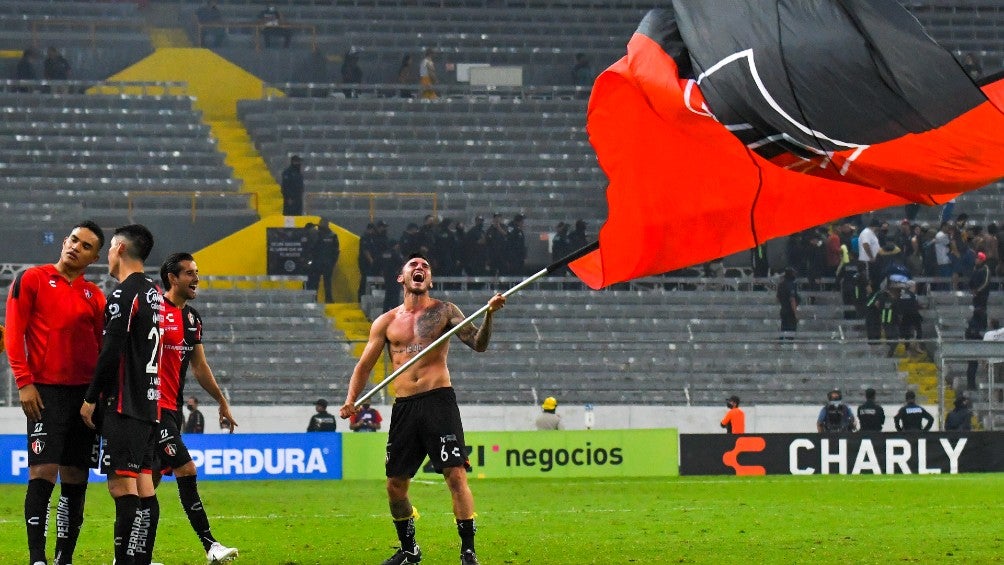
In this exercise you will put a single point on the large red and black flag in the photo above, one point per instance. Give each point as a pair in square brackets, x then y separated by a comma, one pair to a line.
[729, 123]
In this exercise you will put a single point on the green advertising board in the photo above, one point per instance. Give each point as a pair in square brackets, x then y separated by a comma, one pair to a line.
[578, 453]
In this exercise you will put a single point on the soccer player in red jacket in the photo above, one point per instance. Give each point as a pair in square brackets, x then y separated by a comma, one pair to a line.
[53, 334]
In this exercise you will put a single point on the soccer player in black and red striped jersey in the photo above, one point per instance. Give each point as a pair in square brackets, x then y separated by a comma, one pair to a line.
[182, 338]
[53, 334]
[127, 385]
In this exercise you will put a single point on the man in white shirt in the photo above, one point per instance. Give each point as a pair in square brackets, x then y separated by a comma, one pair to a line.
[868, 249]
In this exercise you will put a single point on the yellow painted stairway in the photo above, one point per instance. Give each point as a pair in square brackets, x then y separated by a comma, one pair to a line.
[217, 85]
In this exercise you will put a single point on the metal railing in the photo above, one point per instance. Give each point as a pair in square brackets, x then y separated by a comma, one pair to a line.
[192, 196]
[394, 90]
[91, 26]
[372, 197]
[115, 88]
[255, 29]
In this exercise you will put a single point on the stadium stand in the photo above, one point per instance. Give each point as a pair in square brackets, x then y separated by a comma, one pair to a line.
[112, 157]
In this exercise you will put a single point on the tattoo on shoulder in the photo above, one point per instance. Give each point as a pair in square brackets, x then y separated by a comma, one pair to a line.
[433, 320]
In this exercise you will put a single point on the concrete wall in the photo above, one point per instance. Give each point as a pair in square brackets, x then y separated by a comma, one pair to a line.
[693, 420]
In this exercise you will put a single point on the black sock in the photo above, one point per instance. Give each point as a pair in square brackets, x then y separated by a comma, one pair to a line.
[36, 516]
[126, 507]
[466, 529]
[406, 533]
[188, 491]
[69, 519]
[146, 532]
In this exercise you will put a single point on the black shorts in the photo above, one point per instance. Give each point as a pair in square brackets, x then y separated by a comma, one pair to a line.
[426, 424]
[129, 445]
[61, 436]
[171, 449]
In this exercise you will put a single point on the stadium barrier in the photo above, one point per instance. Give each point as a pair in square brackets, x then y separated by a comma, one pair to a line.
[579, 453]
[333, 456]
[841, 454]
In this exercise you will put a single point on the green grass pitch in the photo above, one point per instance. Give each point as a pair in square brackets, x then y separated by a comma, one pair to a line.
[817, 519]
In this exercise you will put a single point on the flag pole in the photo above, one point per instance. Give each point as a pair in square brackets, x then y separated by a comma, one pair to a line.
[560, 263]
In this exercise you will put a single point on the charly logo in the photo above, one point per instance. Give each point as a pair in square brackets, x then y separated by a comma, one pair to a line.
[745, 444]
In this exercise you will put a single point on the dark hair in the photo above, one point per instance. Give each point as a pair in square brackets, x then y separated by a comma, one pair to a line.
[910, 395]
[870, 394]
[94, 227]
[138, 239]
[172, 266]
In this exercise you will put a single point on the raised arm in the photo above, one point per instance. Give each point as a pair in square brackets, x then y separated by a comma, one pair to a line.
[476, 338]
[361, 373]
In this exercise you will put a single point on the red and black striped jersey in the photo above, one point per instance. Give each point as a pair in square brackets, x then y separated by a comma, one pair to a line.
[54, 328]
[127, 368]
[181, 329]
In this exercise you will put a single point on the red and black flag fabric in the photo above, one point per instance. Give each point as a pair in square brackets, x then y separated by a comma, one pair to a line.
[731, 123]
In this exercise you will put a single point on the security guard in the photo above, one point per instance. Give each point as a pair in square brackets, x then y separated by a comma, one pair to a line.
[912, 417]
[322, 421]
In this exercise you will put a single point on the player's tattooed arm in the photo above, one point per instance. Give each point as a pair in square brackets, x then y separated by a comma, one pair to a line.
[475, 337]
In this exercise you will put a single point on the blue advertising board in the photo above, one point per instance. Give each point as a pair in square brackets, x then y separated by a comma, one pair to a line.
[224, 457]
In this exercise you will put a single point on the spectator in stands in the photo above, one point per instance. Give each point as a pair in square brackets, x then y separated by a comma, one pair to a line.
[871, 416]
[406, 76]
[834, 255]
[474, 250]
[979, 282]
[310, 238]
[560, 247]
[734, 421]
[972, 66]
[496, 245]
[960, 419]
[835, 416]
[945, 252]
[427, 235]
[367, 419]
[991, 248]
[25, 69]
[582, 71]
[868, 249]
[368, 256]
[787, 297]
[390, 268]
[976, 328]
[196, 422]
[55, 66]
[352, 73]
[447, 248]
[815, 261]
[516, 245]
[910, 319]
[322, 421]
[326, 257]
[292, 187]
[273, 26]
[211, 29]
[411, 240]
[912, 417]
[427, 75]
[548, 420]
[578, 238]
